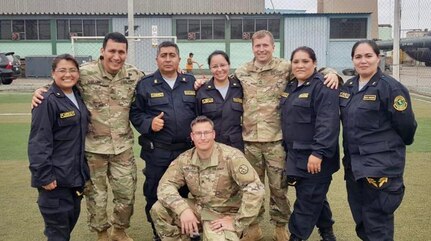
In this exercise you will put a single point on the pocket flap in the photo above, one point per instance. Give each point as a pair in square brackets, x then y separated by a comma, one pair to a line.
[375, 147]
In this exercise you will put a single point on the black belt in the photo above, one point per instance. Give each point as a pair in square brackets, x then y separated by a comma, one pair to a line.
[172, 146]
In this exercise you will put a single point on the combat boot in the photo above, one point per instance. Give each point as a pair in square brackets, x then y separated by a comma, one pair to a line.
[294, 238]
[102, 236]
[280, 233]
[118, 234]
[327, 234]
[252, 233]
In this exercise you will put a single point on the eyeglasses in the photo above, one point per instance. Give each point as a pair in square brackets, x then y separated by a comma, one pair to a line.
[201, 134]
[64, 71]
[218, 66]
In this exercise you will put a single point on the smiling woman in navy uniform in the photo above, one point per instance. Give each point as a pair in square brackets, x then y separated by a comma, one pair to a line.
[56, 150]
[220, 99]
[310, 125]
[378, 123]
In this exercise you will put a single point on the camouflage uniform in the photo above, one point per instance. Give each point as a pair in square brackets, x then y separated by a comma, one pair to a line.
[109, 142]
[262, 128]
[226, 185]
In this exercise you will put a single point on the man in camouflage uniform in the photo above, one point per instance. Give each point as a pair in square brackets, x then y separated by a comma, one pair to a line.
[226, 189]
[107, 87]
[263, 80]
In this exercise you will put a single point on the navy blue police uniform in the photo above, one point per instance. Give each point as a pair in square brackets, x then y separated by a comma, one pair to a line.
[378, 123]
[310, 125]
[226, 113]
[153, 95]
[56, 153]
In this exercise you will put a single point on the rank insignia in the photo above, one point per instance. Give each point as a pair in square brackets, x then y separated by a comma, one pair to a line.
[344, 95]
[303, 96]
[157, 95]
[378, 182]
[237, 100]
[190, 92]
[67, 114]
[370, 97]
[284, 94]
[243, 169]
[400, 103]
[155, 81]
[207, 100]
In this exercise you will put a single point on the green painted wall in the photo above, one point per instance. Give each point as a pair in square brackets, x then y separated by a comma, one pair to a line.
[26, 48]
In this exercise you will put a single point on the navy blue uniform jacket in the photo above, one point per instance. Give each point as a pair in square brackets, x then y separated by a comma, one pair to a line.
[378, 123]
[152, 96]
[225, 113]
[57, 141]
[310, 123]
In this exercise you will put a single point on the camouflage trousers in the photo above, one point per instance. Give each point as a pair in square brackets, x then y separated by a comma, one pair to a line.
[270, 157]
[168, 225]
[120, 170]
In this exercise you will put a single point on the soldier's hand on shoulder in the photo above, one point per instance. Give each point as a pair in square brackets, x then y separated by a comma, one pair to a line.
[189, 222]
[37, 97]
[331, 80]
[158, 122]
[199, 83]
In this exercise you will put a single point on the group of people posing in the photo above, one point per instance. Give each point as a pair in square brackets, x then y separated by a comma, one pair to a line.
[207, 146]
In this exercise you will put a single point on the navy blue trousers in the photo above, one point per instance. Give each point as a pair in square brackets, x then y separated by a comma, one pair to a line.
[60, 210]
[311, 207]
[373, 209]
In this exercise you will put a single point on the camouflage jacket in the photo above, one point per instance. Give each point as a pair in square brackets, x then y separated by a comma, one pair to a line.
[262, 88]
[108, 98]
[225, 185]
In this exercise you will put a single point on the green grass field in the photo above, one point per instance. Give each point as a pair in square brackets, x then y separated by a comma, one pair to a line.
[20, 219]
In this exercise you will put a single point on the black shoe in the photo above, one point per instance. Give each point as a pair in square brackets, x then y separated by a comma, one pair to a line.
[327, 234]
[294, 238]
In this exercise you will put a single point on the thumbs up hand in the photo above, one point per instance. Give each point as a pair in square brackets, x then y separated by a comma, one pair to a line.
[158, 122]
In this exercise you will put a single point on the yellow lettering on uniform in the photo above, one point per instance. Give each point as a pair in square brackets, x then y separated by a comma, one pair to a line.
[303, 96]
[370, 97]
[237, 100]
[284, 94]
[67, 114]
[189, 92]
[207, 100]
[344, 95]
[157, 95]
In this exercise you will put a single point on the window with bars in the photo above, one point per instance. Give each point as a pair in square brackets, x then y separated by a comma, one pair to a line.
[25, 29]
[245, 28]
[348, 28]
[200, 29]
[81, 27]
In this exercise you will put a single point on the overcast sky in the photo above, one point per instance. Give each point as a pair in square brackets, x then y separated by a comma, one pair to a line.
[414, 13]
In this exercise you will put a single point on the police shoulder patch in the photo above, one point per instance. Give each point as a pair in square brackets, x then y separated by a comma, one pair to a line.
[243, 169]
[400, 103]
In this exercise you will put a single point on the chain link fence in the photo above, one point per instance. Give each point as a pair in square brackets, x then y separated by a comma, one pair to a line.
[143, 56]
[415, 22]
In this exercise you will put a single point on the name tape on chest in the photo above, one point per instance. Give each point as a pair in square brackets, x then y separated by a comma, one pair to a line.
[344, 95]
[370, 97]
[303, 96]
[190, 92]
[67, 114]
[400, 103]
[284, 94]
[207, 101]
[157, 95]
[237, 100]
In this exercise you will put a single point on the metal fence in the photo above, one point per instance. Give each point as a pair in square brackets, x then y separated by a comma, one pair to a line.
[415, 25]
[144, 53]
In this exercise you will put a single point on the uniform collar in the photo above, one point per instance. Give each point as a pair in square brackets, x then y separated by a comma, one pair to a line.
[354, 82]
[314, 77]
[158, 78]
[214, 161]
[58, 92]
[233, 83]
[270, 65]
